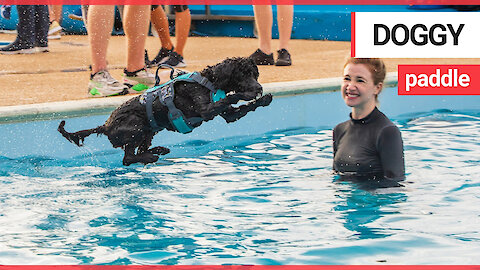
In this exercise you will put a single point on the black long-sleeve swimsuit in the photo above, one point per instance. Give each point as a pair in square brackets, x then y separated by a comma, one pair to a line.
[371, 147]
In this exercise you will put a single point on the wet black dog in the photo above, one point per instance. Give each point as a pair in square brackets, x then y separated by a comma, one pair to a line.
[128, 126]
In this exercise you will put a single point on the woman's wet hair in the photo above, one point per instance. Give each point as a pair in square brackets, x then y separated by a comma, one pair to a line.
[374, 65]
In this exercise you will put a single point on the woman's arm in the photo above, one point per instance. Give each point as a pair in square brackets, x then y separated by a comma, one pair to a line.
[335, 143]
[390, 147]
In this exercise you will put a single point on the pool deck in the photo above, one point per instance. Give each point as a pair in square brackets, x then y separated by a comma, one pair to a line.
[49, 79]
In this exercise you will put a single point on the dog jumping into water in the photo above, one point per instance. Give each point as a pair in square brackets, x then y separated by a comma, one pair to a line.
[179, 105]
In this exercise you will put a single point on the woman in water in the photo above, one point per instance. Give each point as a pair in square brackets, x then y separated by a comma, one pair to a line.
[369, 144]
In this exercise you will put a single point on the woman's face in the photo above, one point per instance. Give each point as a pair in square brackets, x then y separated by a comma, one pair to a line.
[358, 88]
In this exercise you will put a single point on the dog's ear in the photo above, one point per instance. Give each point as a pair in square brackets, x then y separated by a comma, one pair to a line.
[251, 61]
[225, 69]
[253, 67]
[246, 65]
[229, 73]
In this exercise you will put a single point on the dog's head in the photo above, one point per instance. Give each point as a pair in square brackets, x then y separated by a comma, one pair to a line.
[236, 75]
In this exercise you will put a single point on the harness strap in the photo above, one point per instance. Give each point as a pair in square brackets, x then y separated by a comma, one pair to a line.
[196, 77]
[216, 94]
[149, 98]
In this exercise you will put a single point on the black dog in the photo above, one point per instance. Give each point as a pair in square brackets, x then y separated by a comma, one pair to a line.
[131, 128]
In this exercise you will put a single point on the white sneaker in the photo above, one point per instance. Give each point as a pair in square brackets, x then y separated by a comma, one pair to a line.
[102, 84]
[139, 81]
[41, 49]
[54, 30]
[56, 36]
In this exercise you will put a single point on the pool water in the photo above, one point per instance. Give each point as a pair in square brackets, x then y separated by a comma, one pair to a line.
[244, 193]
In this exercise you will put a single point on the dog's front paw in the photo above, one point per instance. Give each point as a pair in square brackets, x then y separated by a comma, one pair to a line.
[264, 100]
[233, 99]
[148, 159]
[159, 150]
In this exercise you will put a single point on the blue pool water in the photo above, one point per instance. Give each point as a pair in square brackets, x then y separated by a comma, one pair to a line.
[258, 191]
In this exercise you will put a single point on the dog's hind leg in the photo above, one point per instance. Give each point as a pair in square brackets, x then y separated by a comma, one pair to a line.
[145, 147]
[146, 158]
[142, 157]
[130, 156]
[145, 144]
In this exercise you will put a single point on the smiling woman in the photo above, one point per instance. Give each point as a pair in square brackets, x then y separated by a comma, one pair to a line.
[368, 144]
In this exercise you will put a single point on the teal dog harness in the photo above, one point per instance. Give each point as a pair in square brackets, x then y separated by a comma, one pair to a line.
[166, 93]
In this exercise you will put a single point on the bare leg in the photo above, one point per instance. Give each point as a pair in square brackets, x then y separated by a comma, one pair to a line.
[55, 12]
[99, 25]
[182, 28]
[135, 26]
[160, 22]
[264, 22]
[285, 23]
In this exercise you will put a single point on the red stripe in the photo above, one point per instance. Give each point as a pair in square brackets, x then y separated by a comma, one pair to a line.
[241, 267]
[242, 2]
[352, 32]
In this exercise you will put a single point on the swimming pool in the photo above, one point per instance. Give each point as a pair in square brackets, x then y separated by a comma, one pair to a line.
[258, 191]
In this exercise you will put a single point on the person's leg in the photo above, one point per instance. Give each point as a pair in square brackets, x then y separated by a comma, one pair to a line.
[55, 12]
[182, 29]
[285, 23]
[136, 29]
[99, 27]
[264, 22]
[135, 25]
[160, 23]
[183, 20]
[26, 24]
[25, 41]
[41, 28]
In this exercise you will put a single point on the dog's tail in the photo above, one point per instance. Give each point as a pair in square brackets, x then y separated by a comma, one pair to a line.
[79, 136]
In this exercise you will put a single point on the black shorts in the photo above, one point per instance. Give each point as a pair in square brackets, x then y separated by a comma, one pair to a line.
[176, 8]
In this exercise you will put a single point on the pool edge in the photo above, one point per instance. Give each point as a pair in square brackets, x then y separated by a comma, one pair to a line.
[74, 108]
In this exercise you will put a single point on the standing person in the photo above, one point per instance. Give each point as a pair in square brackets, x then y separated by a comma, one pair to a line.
[55, 29]
[368, 144]
[169, 54]
[99, 24]
[32, 30]
[264, 21]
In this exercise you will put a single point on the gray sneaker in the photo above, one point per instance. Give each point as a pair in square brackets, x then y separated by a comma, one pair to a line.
[175, 60]
[138, 81]
[102, 84]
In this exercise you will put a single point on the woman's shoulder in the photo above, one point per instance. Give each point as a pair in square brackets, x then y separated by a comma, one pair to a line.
[386, 122]
[388, 128]
[341, 126]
